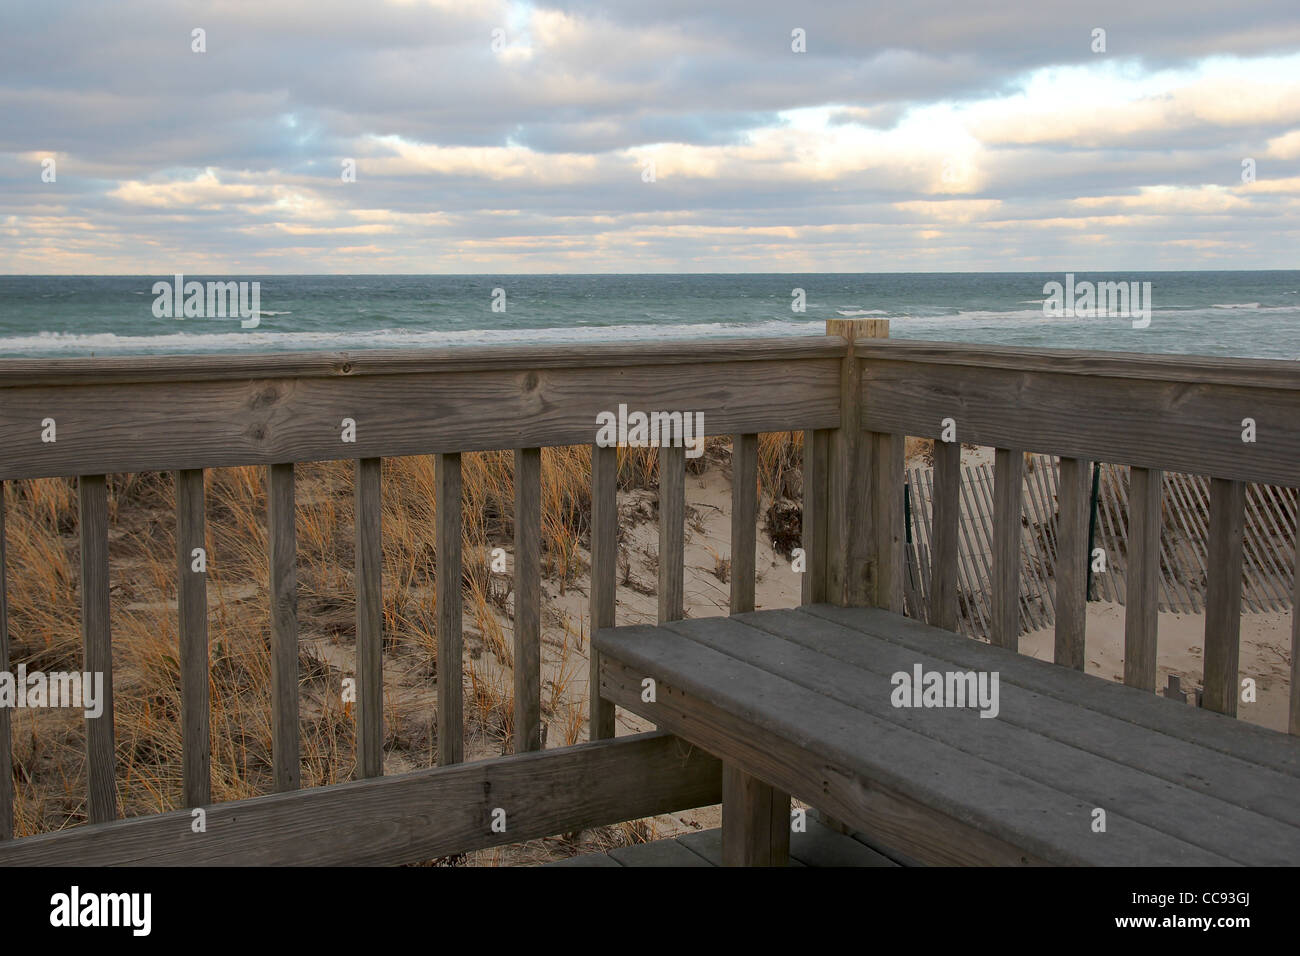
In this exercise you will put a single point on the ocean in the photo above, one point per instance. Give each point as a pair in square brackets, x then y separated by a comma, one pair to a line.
[1245, 314]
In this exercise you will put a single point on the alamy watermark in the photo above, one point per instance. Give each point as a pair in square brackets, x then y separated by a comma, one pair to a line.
[55, 689]
[1088, 300]
[210, 300]
[923, 688]
[624, 429]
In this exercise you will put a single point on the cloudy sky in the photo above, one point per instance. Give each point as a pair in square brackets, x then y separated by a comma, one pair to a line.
[647, 136]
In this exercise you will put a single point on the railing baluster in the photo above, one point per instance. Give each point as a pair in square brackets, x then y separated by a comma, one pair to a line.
[451, 640]
[370, 618]
[813, 538]
[1008, 491]
[744, 520]
[604, 567]
[192, 619]
[1141, 592]
[672, 532]
[285, 760]
[945, 513]
[97, 640]
[1293, 725]
[1072, 560]
[528, 599]
[6, 714]
[887, 476]
[1223, 595]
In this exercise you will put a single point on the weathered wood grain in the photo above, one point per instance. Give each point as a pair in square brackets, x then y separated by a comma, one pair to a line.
[436, 361]
[1072, 561]
[283, 527]
[672, 533]
[945, 516]
[744, 520]
[850, 514]
[1293, 723]
[370, 617]
[1142, 599]
[97, 641]
[207, 423]
[6, 720]
[755, 821]
[192, 616]
[1223, 596]
[1157, 412]
[405, 818]
[930, 799]
[885, 568]
[447, 587]
[813, 536]
[1004, 577]
[604, 568]
[528, 600]
[1197, 725]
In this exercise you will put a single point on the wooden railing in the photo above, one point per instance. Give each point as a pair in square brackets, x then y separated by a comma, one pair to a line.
[855, 395]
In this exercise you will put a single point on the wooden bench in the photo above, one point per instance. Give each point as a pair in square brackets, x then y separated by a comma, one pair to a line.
[799, 702]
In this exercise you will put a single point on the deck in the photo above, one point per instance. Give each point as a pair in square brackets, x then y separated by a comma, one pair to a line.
[805, 702]
[817, 846]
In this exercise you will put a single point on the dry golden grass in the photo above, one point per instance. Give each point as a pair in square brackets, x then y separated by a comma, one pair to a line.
[45, 621]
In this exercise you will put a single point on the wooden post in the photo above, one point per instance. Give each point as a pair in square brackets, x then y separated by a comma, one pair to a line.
[755, 821]
[285, 753]
[528, 600]
[192, 614]
[101, 757]
[447, 589]
[1142, 597]
[1004, 578]
[864, 518]
[744, 520]
[604, 566]
[1072, 563]
[812, 538]
[672, 533]
[945, 513]
[1223, 558]
[370, 619]
[6, 737]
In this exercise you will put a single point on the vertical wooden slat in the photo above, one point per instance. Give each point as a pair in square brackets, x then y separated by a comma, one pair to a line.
[1072, 560]
[672, 533]
[755, 821]
[6, 714]
[1223, 595]
[887, 567]
[451, 640]
[528, 599]
[1004, 580]
[285, 752]
[192, 615]
[813, 537]
[944, 547]
[604, 568]
[370, 618]
[1293, 725]
[97, 640]
[1142, 608]
[744, 520]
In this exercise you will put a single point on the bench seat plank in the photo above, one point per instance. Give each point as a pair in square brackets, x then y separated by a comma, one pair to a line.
[1188, 814]
[1196, 725]
[929, 799]
[1228, 778]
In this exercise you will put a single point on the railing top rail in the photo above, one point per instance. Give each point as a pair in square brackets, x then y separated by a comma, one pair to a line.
[1198, 369]
[16, 373]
